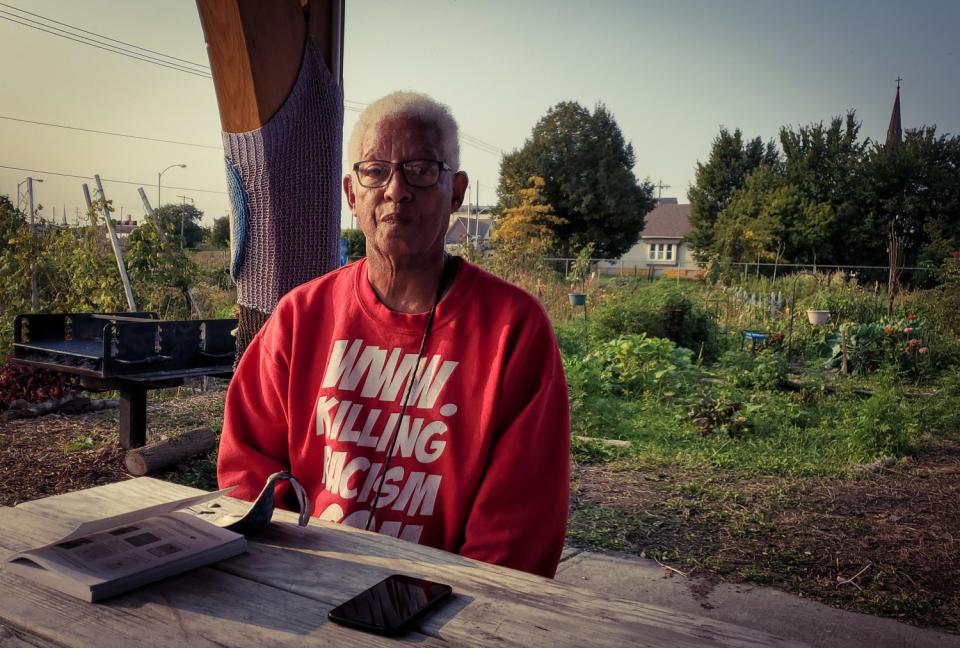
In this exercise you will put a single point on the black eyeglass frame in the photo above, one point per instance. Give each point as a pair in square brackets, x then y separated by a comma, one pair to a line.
[441, 167]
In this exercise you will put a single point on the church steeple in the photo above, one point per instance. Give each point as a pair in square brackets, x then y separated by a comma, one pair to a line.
[894, 131]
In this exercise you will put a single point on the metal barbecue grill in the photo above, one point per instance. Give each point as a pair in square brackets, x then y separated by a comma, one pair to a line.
[128, 352]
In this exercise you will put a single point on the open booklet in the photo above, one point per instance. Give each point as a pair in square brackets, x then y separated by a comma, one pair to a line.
[106, 557]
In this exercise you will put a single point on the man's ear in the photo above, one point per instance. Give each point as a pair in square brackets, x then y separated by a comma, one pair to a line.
[460, 182]
[348, 190]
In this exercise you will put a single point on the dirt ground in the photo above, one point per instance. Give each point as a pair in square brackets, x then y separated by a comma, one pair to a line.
[886, 543]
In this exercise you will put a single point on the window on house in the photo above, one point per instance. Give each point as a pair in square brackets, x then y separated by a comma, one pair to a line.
[651, 251]
[669, 251]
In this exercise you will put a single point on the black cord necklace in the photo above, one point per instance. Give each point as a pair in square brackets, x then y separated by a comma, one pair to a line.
[451, 265]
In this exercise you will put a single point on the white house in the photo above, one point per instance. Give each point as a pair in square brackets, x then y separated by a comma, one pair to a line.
[662, 248]
[478, 228]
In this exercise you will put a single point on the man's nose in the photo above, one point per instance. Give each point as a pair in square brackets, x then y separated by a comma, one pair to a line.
[397, 189]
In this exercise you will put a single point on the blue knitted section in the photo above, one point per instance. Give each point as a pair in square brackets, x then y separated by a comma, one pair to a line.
[240, 212]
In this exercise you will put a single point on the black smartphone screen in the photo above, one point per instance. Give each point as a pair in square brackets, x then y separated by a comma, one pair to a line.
[389, 606]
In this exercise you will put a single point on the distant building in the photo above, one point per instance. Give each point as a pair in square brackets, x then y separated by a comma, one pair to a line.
[464, 227]
[125, 228]
[662, 248]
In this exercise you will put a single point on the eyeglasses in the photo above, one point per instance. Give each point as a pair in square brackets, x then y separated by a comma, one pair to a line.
[373, 174]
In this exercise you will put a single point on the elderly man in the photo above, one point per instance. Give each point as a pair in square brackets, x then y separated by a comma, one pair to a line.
[410, 392]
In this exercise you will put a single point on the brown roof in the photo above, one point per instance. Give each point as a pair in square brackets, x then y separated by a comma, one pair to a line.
[667, 221]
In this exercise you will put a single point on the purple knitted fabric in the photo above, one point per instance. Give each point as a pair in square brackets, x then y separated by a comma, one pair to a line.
[290, 171]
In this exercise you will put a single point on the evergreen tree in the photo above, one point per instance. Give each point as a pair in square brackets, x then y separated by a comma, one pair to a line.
[587, 169]
[730, 162]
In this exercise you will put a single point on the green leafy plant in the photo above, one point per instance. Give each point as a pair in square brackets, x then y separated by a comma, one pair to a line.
[764, 370]
[632, 365]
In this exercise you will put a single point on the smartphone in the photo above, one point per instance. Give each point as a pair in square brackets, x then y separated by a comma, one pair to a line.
[390, 606]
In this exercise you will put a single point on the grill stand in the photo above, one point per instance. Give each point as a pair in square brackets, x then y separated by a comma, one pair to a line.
[133, 404]
[127, 352]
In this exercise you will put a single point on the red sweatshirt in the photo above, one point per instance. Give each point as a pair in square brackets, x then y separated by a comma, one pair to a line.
[481, 463]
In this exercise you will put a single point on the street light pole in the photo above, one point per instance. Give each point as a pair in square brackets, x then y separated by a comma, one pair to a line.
[160, 175]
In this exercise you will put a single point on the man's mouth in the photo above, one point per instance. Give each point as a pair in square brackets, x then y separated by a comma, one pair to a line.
[395, 219]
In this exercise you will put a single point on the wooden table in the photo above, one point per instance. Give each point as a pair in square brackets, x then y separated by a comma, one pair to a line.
[279, 593]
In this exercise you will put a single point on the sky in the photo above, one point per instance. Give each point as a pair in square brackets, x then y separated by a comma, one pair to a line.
[671, 73]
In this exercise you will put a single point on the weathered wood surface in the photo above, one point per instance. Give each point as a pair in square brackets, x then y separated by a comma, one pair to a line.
[151, 458]
[255, 49]
[283, 588]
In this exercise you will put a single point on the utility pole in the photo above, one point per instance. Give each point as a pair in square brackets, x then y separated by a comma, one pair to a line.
[183, 201]
[34, 298]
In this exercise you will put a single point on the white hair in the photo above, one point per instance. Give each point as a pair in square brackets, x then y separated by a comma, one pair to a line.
[410, 105]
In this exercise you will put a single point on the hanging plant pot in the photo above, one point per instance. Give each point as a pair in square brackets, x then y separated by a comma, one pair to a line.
[577, 299]
[818, 317]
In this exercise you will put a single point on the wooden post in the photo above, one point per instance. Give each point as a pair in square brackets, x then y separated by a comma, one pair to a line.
[255, 49]
[115, 243]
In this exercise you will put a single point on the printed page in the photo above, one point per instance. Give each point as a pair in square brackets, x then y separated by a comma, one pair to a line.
[95, 526]
[128, 549]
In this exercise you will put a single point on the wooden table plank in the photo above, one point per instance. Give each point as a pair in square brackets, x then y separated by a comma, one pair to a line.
[326, 564]
[205, 607]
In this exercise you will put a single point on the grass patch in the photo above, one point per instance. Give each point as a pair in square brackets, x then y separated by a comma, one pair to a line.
[782, 433]
[80, 444]
[198, 472]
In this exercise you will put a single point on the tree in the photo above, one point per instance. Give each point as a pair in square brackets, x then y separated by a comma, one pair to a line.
[730, 162]
[770, 219]
[587, 169]
[356, 243]
[526, 232]
[181, 218]
[220, 232]
[914, 188]
[823, 163]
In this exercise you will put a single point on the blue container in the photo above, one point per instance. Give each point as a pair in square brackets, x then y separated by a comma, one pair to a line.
[577, 299]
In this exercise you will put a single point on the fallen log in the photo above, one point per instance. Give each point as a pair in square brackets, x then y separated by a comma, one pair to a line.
[617, 443]
[71, 403]
[151, 458]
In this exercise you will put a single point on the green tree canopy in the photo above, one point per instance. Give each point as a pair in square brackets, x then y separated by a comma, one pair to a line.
[181, 217]
[356, 243]
[587, 169]
[770, 219]
[823, 164]
[913, 187]
[220, 232]
[731, 161]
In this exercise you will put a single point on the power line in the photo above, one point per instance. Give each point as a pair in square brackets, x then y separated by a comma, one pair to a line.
[203, 71]
[102, 132]
[129, 182]
[101, 46]
[30, 13]
[467, 139]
